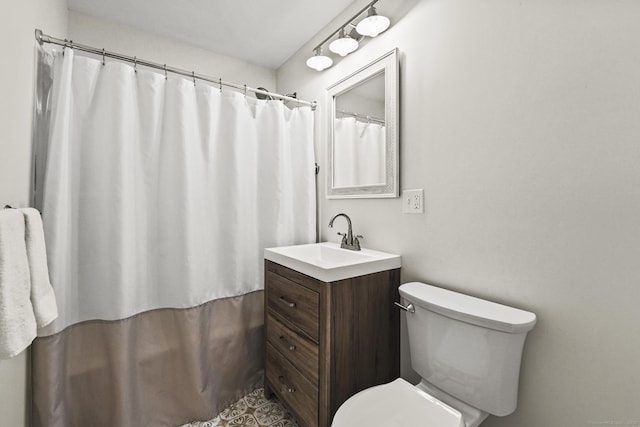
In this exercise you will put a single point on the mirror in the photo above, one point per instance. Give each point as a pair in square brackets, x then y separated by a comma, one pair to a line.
[362, 155]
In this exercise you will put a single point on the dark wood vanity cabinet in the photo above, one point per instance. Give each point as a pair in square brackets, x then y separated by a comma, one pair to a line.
[327, 341]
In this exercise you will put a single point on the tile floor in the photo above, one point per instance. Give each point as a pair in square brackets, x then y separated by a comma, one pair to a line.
[253, 410]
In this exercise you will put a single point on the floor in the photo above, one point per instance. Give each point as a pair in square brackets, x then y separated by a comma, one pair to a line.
[253, 410]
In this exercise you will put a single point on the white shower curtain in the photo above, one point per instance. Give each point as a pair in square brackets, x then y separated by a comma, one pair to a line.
[158, 193]
[152, 183]
[359, 153]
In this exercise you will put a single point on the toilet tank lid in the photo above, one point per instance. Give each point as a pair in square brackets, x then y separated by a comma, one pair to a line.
[467, 308]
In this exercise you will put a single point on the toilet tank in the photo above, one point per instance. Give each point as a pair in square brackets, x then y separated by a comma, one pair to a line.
[467, 347]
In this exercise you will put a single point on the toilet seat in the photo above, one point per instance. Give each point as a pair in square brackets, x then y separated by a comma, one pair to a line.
[396, 404]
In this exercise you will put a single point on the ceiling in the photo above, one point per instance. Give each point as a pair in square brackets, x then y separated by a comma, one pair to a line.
[263, 32]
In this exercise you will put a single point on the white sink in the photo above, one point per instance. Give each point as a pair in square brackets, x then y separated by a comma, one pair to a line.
[328, 262]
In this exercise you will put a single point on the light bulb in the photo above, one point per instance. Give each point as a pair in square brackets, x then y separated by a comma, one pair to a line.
[373, 24]
[319, 61]
[344, 44]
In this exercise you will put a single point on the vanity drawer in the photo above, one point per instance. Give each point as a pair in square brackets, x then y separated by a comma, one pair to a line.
[301, 352]
[293, 303]
[300, 396]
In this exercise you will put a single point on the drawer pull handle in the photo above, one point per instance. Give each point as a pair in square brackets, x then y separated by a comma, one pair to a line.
[287, 302]
[285, 387]
[286, 342]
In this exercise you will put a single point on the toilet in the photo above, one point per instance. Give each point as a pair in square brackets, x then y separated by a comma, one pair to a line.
[467, 351]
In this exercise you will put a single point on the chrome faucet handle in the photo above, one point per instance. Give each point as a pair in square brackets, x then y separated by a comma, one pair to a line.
[344, 238]
[356, 242]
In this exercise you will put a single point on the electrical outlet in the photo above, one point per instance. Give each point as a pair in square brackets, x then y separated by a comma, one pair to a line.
[413, 201]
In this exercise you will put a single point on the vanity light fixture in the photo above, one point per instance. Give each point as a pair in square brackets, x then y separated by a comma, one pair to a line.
[344, 44]
[347, 42]
[373, 24]
[319, 61]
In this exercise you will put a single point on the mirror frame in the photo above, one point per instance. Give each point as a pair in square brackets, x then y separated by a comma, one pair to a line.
[389, 64]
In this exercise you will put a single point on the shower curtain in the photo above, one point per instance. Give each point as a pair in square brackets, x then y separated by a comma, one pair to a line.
[359, 153]
[158, 197]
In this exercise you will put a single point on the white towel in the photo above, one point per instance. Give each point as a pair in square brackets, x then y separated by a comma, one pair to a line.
[42, 296]
[17, 321]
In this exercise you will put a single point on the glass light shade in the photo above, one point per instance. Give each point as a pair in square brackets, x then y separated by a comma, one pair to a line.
[319, 61]
[373, 24]
[343, 46]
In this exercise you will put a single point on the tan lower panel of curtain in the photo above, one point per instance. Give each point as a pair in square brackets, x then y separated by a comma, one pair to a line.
[159, 368]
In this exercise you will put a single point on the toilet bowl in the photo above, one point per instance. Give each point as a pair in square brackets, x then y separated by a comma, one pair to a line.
[467, 351]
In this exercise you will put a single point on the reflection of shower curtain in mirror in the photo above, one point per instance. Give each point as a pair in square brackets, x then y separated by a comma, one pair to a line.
[359, 153]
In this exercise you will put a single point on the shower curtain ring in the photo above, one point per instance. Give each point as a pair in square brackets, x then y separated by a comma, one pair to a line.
[103, 55]
[165, 71]
[67, 44]
[220, 82]
[245, 90]
[135, 64]
[193, 76]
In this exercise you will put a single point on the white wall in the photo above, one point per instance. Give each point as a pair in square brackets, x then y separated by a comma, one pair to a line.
[18, 21]
[129, 41]
[521, 121]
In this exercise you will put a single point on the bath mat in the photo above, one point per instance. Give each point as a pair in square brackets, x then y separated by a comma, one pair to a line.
[253, 410]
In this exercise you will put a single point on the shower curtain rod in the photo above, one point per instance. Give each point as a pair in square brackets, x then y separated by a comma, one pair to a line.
[43, 38]
[361, 116]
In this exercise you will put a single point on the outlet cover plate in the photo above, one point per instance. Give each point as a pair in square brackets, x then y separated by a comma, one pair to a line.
[413, 201]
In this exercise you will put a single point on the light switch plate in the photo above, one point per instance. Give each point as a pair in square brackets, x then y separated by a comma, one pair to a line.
[413, 201]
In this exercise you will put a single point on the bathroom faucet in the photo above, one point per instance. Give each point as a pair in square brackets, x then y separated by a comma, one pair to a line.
[349, 241]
